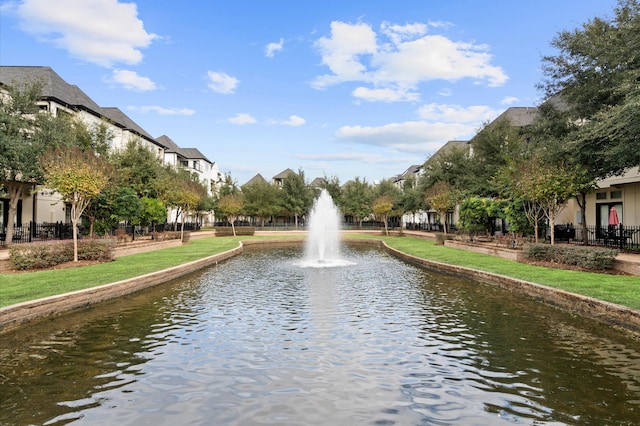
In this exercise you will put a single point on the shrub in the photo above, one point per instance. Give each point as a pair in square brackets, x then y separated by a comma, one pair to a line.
[441, 237]
[594, 258]
[47, 255]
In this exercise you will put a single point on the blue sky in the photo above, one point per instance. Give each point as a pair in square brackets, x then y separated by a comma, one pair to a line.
[357, 88]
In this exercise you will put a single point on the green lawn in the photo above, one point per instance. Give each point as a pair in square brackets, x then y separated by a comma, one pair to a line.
[15, 288]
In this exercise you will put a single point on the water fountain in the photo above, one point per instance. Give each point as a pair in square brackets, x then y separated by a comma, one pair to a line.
[322, 247]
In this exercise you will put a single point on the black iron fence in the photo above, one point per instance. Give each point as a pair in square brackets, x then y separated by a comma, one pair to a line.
[619, 236]
[38, 232]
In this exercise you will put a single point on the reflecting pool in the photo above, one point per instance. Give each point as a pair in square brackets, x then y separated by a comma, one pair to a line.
[259, 340]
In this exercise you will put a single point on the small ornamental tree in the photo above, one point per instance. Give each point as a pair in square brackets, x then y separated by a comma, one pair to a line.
[381, 207]
[442, 198]
[78, 176]
[230, 207]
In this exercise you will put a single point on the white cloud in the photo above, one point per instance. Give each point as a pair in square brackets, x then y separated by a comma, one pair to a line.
[356, 53]
[475, 114]
[509, 100]
[385, 95]
[241, 119]
[409, 136]
[294, 121]
[163, 110]
[103, 32]
[272, 48]
[222, 83]
[132, 81]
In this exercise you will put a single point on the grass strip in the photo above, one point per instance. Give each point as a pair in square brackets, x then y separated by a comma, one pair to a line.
[620, 289]
[20, 287]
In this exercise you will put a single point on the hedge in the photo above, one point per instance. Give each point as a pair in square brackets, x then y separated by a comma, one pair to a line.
[595, 258]
[46, 255]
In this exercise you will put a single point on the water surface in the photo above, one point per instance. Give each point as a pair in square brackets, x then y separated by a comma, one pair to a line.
[260, 340]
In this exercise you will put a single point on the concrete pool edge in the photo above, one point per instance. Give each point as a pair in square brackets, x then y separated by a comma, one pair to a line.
[20, 314]
[617, 316]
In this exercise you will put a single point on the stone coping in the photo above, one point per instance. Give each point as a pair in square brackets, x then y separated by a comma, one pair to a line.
[605, 312]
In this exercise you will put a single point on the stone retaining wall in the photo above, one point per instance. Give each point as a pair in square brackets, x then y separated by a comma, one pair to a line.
[608, 313]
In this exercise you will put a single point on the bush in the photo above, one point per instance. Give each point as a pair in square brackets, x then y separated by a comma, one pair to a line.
[594, 258]
[47, 255]
[441, 237]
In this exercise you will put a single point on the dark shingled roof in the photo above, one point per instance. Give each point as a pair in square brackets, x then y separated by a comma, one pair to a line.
[120, 119]
[257, 178]
[190, 153]
[56, 89]
[520, 116]
[53, 86]
[283, 174]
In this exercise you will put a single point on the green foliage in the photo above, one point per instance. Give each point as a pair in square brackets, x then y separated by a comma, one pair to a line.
[47, 255]
[261, 200]
[475, 215]
[357, 197]
[594, 258]
[126, 206]
[152, 211]
[596, 70]
[297, 197]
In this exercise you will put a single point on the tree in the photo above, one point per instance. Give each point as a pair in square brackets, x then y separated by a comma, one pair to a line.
[475, 214]
[442, 197]
[21, 143]
[230, 207]
[77, 176]
[126, 206]
[596, 74]
[357, 196]
[412, 199]
[381, 207]
[152, 211]
[260, 200]
[297, 197]
[140, 169]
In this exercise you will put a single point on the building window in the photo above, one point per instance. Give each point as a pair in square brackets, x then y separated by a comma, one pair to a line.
[616, 195]
[601, 195]
[184, 164]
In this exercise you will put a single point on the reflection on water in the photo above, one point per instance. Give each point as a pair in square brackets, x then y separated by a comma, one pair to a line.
[259, 340]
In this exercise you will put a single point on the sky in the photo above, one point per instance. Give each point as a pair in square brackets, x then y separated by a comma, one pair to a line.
[346, 89]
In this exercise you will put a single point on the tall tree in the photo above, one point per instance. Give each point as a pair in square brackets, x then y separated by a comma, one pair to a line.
[260, 200]
[297, 197]
[20, 146]
[78, 176]
[596, 73]
[357, 197]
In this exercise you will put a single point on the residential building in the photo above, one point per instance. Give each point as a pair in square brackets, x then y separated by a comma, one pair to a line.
[60, 97]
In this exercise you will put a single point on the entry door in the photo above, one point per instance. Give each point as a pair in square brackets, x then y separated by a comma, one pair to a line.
[602, 214]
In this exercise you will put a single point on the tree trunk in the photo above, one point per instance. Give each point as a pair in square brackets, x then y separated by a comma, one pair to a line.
[74, 232]
[386, 229]
[581, 198]
[15, 191]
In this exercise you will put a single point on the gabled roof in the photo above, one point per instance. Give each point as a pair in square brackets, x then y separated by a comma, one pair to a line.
[53, 86]
[283, 174]
[520, 116]
[120, 119]
[318, 182]
[187, 153]
[169, 144]
[257, 178]
[447, 147]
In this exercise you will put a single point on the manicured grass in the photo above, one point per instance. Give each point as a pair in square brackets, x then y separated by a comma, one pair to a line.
[15, 288]
[622, 290]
